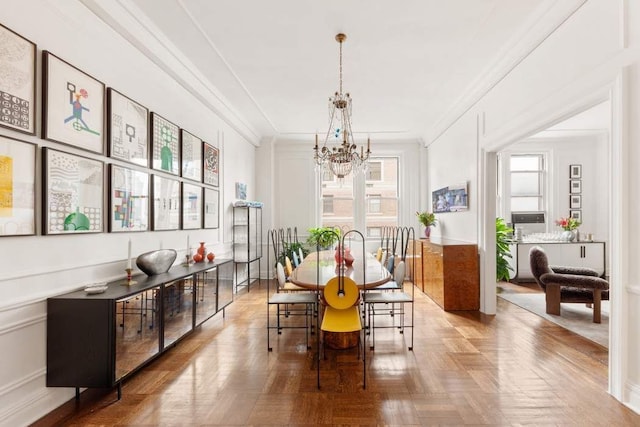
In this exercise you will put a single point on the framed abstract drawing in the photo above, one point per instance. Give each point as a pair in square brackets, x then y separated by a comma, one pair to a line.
[18, 82]
[575, 171]
[166, 203]
[211, 208]
[17, 187]
[165, 145]
[211, 165]
[128, 200]
[73, 193]
[191, 156]
[575, 186]
[575, 202]
[191, 206]
[73, 105]
[127, 129]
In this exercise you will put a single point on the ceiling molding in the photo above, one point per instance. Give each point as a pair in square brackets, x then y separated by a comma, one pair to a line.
[128, 21]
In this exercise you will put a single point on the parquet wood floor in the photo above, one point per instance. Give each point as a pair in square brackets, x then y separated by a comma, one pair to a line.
[466, 369]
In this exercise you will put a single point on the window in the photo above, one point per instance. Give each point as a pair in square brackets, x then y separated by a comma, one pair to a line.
[374, 203]
[374, 171]
[374, 231]
[327, 204]
[527, 182]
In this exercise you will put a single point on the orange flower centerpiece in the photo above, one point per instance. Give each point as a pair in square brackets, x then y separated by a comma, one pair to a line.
[568, 225]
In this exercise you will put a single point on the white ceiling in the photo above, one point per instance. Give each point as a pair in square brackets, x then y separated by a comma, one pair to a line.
[406, 63]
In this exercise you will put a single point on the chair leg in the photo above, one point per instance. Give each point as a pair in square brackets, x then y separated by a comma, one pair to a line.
[552, 294]
[597, 299]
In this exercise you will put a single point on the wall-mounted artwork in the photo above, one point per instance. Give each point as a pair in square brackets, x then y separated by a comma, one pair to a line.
[575, 186]
[73, 193]
[211, 208]
[191, 206]
[128, 129]
[575, 171]
[128, 200]
[575, 202]
[166, 203]
[165, 145]
[17, 187]
[450, 199]
[73, 105]
[211, 165]
[241, 191]
[191, 156]
[18, 82]
[576, 214]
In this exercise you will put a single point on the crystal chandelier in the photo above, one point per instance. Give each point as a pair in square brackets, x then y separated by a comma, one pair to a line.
[344, 158]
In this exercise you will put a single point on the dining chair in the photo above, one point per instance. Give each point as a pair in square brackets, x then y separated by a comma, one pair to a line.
[288, 267]
[341, 314]
[296, 260]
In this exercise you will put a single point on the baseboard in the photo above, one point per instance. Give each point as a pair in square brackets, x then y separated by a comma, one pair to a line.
[632, 397]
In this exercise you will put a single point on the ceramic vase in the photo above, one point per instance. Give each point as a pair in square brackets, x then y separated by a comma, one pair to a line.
[348, 258]
[427, 231]
[568, 235]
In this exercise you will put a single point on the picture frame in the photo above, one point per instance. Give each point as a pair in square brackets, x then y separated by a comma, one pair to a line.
[241, 191]
[211, 165]
[127, 129]
[128, 199]
[575, 186]
[211, 208]
[18, 82]
[17, 187]
[575, 201]
[454, 198]
[73, 105]
[192, 162]
[575, 171]
[166, 207]
[73, 193]
[576, 214]
[165, 145]
[191, 206]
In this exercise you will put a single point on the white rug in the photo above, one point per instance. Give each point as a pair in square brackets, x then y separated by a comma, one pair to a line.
[575, 317]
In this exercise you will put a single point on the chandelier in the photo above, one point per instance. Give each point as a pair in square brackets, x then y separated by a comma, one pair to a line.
[344, 158]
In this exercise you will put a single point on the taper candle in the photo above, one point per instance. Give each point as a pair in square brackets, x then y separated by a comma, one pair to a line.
[129, 254]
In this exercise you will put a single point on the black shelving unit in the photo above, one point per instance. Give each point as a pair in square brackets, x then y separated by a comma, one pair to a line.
[247, 242]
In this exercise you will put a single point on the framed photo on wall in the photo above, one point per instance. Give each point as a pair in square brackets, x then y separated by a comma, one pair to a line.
[191, 206]
[18, 82]
[73, 103]
[73, 193]
[211, 208]
[17, 187]
[166, 203]
[575, 202]
[165, 145]
[127, 129]
[128, 200]
[576, 214]
[575, 171]
[211, 165]
[575, 186]
[191, 156]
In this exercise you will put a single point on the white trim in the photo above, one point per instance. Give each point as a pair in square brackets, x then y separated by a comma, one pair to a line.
[7, 388]
[15, 326]
[632, 396]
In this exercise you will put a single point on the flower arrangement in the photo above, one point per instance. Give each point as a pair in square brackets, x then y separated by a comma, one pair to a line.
[568, 224]
[427, 218]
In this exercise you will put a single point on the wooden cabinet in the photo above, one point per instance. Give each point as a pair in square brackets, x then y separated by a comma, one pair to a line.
[99, 340]
[448, 272]
[568, 254]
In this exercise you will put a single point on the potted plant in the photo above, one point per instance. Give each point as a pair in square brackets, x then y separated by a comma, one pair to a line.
[503, 237]
[323, 237]
[428, 219]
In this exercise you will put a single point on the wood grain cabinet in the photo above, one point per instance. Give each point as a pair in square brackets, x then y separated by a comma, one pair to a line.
[99, 340]
[448, 272]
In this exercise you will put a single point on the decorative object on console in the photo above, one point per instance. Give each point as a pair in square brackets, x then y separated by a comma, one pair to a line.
[156, 262]
[568, 224]
[211, 256]
[341, 160]
[428, 219]
[201, 253]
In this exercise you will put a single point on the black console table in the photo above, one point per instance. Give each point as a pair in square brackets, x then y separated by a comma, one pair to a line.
[99, 340]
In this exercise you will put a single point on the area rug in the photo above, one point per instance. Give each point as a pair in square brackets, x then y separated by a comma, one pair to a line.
[575, 317]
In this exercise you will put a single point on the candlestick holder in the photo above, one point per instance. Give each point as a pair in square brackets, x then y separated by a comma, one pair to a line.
[129, 281]
[187, 260]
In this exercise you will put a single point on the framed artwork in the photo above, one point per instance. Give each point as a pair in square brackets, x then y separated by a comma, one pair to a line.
[165, 145]
[575, 171]
[211, 208]
[18, 82]
[576, 214]
[191, 206]
[166, 203]
[211, 165]
[575, 202]
[241, 191]
[191, 156]
[17, 187]
[575, 186]
[128, 200]
[73, 105]
[127, 129]
[454, 198]
[73, 193]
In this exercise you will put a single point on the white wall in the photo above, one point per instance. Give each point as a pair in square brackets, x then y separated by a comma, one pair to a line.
[35, 267]
[593, 55]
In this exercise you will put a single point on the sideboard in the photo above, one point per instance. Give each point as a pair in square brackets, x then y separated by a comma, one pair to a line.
[568, 254]
[447, 271]
[99, 340]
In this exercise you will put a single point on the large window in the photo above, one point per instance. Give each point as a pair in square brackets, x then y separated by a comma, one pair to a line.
[527, 182]
[365, 202]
